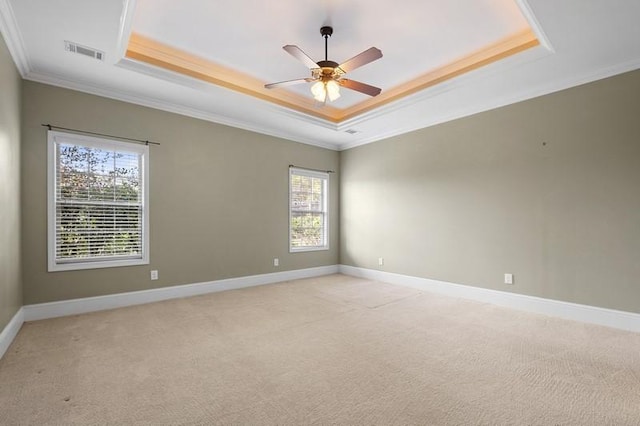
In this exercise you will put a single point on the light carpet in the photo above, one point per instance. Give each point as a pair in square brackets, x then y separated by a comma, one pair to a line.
[329, 350]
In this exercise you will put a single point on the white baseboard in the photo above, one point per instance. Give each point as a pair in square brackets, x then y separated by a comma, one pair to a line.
[572, 311]
[112, 301]
[11, 331]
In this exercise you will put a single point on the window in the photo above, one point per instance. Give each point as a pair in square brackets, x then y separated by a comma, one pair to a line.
[98, 197]
[308, 217]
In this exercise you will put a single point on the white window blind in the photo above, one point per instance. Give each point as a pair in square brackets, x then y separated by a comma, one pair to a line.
[97, 202]
[308, 215]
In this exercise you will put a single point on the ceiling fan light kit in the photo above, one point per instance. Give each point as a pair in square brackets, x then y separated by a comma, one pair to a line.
[328, 75]
[321, 90]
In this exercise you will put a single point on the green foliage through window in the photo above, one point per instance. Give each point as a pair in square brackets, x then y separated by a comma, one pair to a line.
[98, 203]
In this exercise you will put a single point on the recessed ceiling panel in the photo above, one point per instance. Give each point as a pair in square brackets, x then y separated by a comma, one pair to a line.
[417, 38]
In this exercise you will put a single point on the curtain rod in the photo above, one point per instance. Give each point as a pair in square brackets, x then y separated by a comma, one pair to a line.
[51, 126]
[313, 170]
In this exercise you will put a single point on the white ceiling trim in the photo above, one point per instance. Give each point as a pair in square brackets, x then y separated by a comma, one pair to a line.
[178, 78]
[529, 93]
[476, 75]
[544, 47]
[195, 83]
[115, 94]
[185, 80]
[407, 101]
[370, 124]
[13, 38]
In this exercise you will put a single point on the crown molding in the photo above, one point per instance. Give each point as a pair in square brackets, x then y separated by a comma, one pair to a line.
[460, 81]
[474, 104]
[549, 87]
[194, 83]
[540, 90]
[154, 103]
[164, 61]
[13, 38]
[159, 56]
[442, 81]
[483, 58]
[493, 103]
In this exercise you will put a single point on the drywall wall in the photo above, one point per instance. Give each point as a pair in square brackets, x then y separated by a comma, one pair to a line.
[218, 197]
[10, 283]
[547, 189]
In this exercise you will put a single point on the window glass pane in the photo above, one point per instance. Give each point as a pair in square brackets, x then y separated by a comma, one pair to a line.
[98, 198]
[85, 231]
[308, 224]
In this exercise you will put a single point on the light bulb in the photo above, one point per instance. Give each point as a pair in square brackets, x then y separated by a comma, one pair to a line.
[319, 91]
[333, 90]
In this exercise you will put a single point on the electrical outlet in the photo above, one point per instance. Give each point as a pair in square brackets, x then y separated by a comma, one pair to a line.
[381, 261]
[508, 278]
[154, 274]
[276, 262]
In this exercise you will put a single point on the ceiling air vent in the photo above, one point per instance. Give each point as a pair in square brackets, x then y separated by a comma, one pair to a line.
[83, 50]
[351, 131]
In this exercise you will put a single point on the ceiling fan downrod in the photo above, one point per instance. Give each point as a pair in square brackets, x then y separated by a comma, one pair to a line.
[327, 64]
[326, 33]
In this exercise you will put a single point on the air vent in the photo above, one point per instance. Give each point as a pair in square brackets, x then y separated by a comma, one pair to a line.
[351, 131]
[72, 47]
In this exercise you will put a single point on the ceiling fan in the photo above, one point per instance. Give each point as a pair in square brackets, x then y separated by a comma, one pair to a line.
[327, 74]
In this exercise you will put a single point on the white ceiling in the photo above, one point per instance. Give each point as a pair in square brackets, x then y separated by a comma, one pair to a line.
[582, 40]
[413, 38]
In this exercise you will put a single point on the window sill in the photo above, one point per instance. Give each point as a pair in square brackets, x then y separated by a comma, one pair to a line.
[305, 249]
[57, 267]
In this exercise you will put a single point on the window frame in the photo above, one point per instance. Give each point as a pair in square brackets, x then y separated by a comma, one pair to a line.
[53, 139]
[325, 195]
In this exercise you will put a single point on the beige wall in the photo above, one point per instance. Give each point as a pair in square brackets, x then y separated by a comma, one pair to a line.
[547, 189]
[218, 197]
[10, 284]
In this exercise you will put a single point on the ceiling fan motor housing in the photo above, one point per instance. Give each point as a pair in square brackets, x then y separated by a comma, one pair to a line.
[327, 70]
[328, 64]
[326, 31]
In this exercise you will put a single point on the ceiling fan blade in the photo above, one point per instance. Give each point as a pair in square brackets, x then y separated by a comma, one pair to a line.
[363, 58]
[297, 53]
[360, 87]
[287, 83]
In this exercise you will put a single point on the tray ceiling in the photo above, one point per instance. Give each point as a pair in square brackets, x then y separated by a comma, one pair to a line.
[210, 60]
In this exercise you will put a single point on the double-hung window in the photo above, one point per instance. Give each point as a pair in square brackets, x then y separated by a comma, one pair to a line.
[98, 193]
[308, 214]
